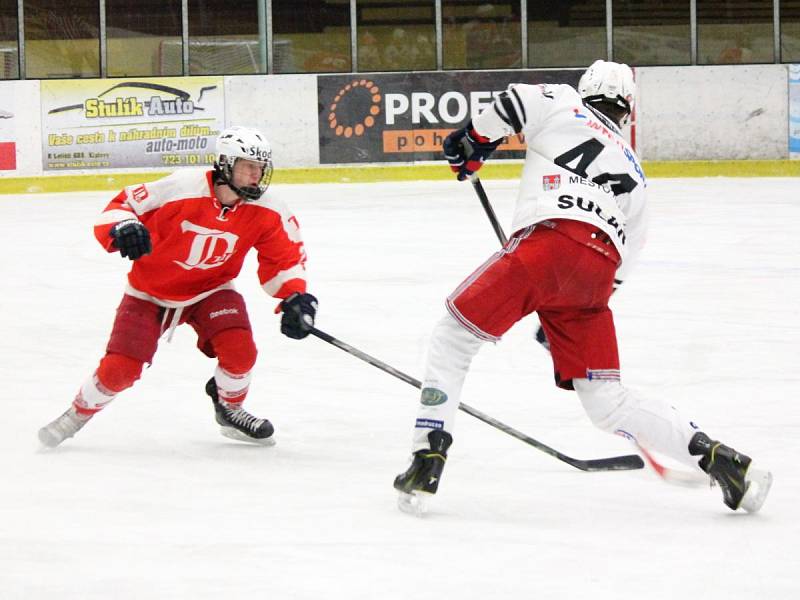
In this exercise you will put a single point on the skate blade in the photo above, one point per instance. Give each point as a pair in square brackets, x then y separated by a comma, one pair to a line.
[48, 440]
[759, 483]
[235, 434]
[413, 503]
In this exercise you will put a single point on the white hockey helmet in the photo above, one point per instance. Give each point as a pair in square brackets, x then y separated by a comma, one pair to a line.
[248, 144]
[608, 82]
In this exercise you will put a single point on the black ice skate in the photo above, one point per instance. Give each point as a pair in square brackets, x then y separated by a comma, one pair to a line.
[238, 424]
[742, 486]
[423, 476]
[65, 426]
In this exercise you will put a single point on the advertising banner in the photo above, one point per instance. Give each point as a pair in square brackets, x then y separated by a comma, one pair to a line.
[8, 128]
[404, 117]
[794, 111]
[126, 123]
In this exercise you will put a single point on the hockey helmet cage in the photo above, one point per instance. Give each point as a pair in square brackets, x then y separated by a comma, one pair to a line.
[245, 143]
[606, 81]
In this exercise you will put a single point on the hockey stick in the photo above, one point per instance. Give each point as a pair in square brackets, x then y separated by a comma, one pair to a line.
[673, 476]
[487, 206]
[614, 463]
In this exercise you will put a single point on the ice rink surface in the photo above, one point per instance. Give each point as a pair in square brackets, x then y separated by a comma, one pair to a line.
[149, 501]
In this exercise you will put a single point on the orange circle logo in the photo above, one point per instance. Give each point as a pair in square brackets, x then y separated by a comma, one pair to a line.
[354, 108]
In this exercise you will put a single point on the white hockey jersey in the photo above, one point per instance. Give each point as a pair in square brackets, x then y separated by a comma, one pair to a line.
[578, 164]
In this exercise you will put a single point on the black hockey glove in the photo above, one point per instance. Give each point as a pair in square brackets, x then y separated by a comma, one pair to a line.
[298, 315]
[466, 150]
[132, 239]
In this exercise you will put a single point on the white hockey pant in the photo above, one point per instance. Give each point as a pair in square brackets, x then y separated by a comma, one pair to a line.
[654, 424]
[450, 353]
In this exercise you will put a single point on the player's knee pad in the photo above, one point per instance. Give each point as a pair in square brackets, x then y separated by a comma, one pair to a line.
[607, 403]
[118, 372]
[235, 350]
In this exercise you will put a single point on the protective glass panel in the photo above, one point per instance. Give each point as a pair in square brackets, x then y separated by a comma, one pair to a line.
[482, 35]
[227, 38]
[732, 32]
[144, 38]
[9, 56]
[62, 39]
[311, 36]
[790, 31]
[396, 35]
[652, 32]
[566, 34]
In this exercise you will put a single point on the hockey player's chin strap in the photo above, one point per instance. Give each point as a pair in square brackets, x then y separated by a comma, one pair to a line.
[247, 192]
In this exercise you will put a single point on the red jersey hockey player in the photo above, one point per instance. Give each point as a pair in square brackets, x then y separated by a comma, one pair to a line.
[580, 220]
[187, 235]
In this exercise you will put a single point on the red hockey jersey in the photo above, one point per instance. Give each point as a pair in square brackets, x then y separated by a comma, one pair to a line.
[199, 245]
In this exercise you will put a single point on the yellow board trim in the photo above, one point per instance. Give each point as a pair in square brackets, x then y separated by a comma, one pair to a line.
[372, 173]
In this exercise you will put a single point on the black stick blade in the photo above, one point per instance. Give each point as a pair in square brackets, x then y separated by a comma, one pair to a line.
[629, 462]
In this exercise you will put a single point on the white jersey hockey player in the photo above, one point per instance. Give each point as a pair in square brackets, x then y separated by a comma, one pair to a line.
[579, 223]
[578, 165]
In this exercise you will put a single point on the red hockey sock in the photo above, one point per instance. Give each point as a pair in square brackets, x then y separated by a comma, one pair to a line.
[118, 372]
[235, 350]
[236, 353]
[115, 373]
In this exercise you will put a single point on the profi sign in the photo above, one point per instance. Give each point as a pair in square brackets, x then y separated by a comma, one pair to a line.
[404, 117]
[451, 107]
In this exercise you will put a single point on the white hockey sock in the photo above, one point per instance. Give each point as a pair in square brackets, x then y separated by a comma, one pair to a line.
[232, 387]
[652, 423]
[92, 396]
[450, 353]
